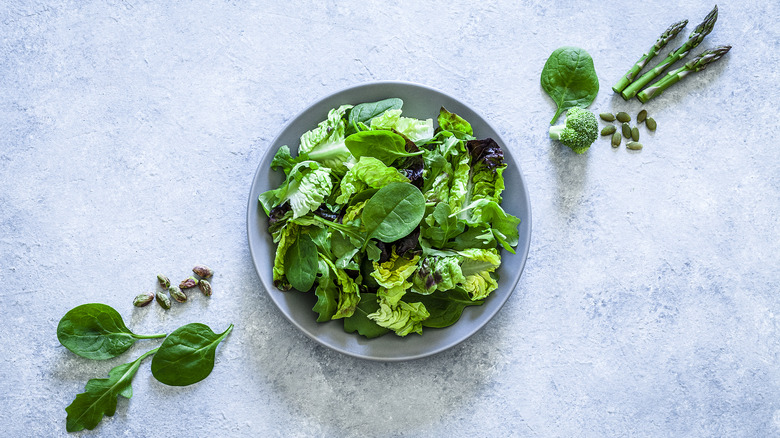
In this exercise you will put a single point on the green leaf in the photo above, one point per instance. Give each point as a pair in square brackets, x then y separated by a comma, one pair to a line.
[186, 356]
[445, 307]
[364, 112]
[570, 79]
[441, 226]
[96, 331]
[359, 321]
[386, 146]
[300, 262]
[455, 124]
[327, 294]
[393, 212]
[100, 396]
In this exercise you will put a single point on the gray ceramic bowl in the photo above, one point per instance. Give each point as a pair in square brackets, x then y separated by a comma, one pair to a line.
[420, 102]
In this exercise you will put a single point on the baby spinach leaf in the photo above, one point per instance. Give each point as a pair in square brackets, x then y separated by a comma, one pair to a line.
[385, 146]
[445, 307]
[96, 331]
[359, 321]
[186, 356]
[100, 396]
[301, 262]
[570, 79]
[393, 212]
[364, 112]
[442, 226]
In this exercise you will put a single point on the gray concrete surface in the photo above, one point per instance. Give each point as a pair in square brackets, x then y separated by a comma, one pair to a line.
[130, 132]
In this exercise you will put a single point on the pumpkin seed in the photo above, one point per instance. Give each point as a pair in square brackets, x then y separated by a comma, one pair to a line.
[635, 133]
[641, 116]
[607, 117]
[626, 130]
[623, 117]
[616, 138]
[608, 130]
[634, 145]
[650, 123]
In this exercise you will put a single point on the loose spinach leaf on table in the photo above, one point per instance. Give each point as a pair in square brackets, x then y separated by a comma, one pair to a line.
[445, 307]
[187, 355]
[364, 112]
[393, 212]
[301, 262]
[570, 79]
[100, 396]
[96, 331]
[359, 321]
[385, 146]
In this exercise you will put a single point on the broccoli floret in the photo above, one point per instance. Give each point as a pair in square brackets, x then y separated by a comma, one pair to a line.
[578, 132]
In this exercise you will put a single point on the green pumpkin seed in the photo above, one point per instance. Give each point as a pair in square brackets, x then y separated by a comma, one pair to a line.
[634, 146]
[623, 117]
[641, 116]
[608, 130]
[607, 117]
[626, 130]
[650, 122]
[635, 133]
[616, 138]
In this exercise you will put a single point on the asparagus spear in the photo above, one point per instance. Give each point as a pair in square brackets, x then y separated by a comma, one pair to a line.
[660, 43]
[694, 39]
[695, 65]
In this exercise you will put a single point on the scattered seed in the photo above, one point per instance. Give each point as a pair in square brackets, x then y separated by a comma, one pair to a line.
[205, 287]
[635, 133]
[163, 300]
[616, 139]
[607, 117]
[608, 130]
[623, 117]
[650, 123]
[641, 116]
[177, 294]
[634, 145]
[626, 130]
[163, 280]
[143, 299]
[188, 283]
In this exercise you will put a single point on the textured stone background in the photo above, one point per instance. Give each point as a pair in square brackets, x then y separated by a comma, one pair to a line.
[130, 132]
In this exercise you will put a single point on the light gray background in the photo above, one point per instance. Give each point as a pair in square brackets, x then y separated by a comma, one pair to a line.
[130, 132]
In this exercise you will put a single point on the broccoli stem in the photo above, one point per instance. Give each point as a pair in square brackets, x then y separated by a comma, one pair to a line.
[555, 131]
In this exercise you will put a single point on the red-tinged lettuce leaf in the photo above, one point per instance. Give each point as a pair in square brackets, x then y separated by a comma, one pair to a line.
[359, 321]
[486, 153]
[100, 396]
[445, 307]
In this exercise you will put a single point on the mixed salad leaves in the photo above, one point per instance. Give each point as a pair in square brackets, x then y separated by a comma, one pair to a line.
[394, 223]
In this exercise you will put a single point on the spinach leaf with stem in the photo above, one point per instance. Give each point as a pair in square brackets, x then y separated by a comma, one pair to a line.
[570, 79]
[186, 356]
[393, 212]
[96, 331]
[359, 321]
[445, 307]
[100, 396]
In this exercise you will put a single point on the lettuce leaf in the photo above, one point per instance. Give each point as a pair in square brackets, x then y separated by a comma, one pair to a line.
[325, 143]
[327, 293]
[416, 130]
[349, 293]
[359, 321]
[286, 239]
[368, 172]
[395, 271]
[306, 187]
[445, 307]
[404, 318]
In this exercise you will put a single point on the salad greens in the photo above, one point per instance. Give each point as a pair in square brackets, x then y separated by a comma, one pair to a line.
[394, 223]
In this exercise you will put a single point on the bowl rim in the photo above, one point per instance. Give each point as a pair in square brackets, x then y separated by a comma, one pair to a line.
[252, 205]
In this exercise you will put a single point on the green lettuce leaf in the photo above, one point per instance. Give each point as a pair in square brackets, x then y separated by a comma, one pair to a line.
[349, 293]
[325, 143]
[288, 236]
[404, 318]
[327, 293]
[395, 271]
[368, 172]
[306, 188]
[416, 130]
[455, 124]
